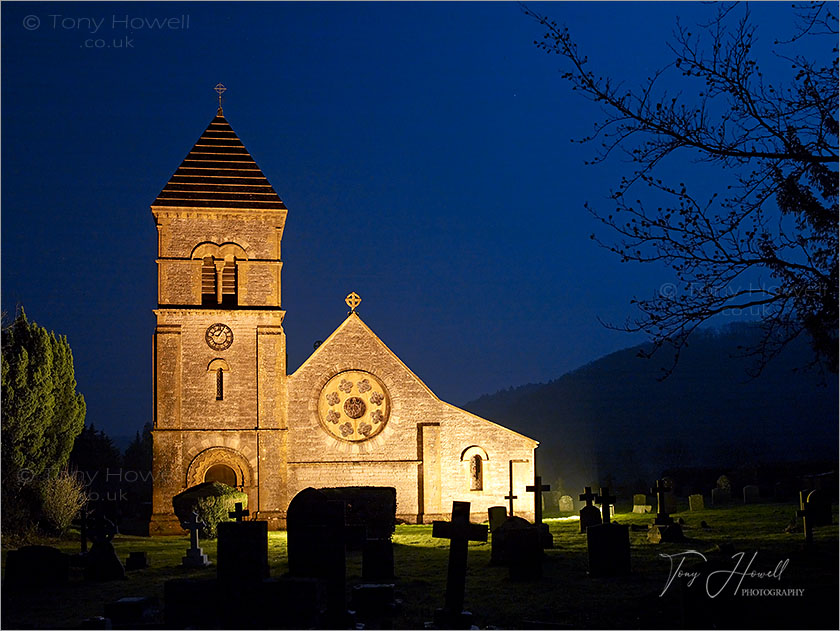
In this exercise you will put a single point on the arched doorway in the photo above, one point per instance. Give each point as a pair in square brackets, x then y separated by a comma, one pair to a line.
[221, 473]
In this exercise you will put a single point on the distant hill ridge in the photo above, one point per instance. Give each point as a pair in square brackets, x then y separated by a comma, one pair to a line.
[611, 417]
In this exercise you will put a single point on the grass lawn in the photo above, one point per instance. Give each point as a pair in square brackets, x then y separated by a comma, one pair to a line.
[564, 598]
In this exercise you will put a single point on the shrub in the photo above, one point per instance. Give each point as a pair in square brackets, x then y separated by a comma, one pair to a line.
[212, 501]
[62, 496]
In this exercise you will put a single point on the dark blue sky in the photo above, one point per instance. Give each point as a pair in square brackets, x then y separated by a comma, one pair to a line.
[423, 151]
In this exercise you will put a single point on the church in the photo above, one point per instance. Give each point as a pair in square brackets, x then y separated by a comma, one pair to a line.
[225, 407]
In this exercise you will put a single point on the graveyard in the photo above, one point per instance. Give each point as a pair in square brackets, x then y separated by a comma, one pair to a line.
[564, 596]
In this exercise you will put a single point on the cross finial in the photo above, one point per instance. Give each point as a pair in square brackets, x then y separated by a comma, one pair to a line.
[220, 89]
[353, 301]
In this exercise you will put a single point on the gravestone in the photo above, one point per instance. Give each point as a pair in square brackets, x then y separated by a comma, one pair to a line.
[608, 544]
[102, 563]
[195, 557]
[815, 511]
[751, 494]
[663, 528]
[33, 567]
[721, 497]
[459, 531]
[641, 504]
[566, 504]
[820, 507]
[136, 560]
[510, 496]
[695, 502]
[538, 488]
[315, 527]
[496, 516]
[669, 499]
[589, 514]
[242, 549]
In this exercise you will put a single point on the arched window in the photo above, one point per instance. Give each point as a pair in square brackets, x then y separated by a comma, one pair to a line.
[221, 473]
[474, 462]
[476, 473]
[219, 277]
[219, 367]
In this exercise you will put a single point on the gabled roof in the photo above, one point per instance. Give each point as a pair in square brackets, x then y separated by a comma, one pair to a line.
[219, 173]
[354, 321]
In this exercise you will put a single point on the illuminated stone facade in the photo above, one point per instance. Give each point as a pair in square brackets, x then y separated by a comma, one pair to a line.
[225, 408]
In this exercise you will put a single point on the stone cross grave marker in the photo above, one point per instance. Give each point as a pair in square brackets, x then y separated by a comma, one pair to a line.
[459, 531]
[663, 527]
[608, 544]
[510, 496]
[102, 563]
[195, 556]
[537, 488]
[242, 549]
[805, 513]
[589, 514]
[660, 490]
[606, 501]
[238, 513]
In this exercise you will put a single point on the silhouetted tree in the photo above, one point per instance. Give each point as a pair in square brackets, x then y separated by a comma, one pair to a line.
[775, 208]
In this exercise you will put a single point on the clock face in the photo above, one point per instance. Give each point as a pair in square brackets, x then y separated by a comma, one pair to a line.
[218, 337]
[353, 406]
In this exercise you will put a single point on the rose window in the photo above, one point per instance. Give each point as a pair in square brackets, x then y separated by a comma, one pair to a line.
[353, 406]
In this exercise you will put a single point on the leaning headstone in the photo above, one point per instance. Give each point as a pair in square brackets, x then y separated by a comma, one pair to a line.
[195, 557]
[751, 494]
[32, 567]
[136, 560]
[641, 504]
[459, 531]
[589, 514]
[496, 516]
[663, 527]
[242, 549]
[695, 502]
[566, 504]
[102, 563]
[721, 497]
[608, 544]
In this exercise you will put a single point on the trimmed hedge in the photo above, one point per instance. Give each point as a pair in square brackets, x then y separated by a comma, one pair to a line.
[212, 501]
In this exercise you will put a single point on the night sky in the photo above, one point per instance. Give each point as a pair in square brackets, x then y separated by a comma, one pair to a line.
[423, 151]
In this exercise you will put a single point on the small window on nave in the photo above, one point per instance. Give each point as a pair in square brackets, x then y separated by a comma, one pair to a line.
[476, 473]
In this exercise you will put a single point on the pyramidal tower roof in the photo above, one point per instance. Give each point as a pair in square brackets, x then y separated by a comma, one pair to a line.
[219, 172]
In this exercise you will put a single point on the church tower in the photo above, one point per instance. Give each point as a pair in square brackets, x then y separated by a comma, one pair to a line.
[219, 348]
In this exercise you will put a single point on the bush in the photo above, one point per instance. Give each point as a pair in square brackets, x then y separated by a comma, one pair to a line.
[62, 496]
[212, 501]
